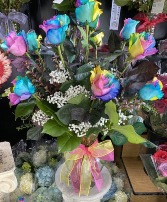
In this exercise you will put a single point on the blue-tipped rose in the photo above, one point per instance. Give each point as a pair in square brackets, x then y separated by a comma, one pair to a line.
[128, 28]
[23, 89]
[56, 28]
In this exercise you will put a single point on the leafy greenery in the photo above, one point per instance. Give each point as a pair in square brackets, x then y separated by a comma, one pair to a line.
[25, 108]
[66, 5]
[67, 142]
[110, 110]
[52, 128]
[34, 133]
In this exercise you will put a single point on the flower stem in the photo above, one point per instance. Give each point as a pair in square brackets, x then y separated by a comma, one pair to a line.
[41, 59]
[61, 56]
[87, 41]
[125, 68]
[96, 52]
[123, 45]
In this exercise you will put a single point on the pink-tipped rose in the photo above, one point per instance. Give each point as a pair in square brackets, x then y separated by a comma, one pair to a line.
[15, 43]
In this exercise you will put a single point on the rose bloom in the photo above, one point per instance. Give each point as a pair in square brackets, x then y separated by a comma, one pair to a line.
[163, 146]
[163, 79]
[160, 156]
[161, 105]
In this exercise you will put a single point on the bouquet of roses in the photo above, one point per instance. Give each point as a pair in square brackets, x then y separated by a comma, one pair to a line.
[87, 97]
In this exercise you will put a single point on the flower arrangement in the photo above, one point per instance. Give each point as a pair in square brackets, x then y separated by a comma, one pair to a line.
[87, 97]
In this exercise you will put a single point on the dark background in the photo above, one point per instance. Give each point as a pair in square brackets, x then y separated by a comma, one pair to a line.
[39, 10]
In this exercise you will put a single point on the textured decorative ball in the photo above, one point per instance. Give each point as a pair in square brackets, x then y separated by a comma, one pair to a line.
[45, 176]
[39, 158]
[121, 197]
[110, 193]
[119, 183]
[26, 167]
[27, 185]
[44, 194]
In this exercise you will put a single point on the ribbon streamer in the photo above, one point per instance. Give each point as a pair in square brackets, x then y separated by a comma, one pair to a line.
[81, 165]
[6, 22]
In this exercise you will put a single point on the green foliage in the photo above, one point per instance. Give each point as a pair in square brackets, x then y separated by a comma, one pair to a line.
[110, 110]
[66, 5]
[83, 72]
[68, 142]
[65, 86]
[25, 108]
[129, 132]
[69, 50]
[34, 133]
[117, 138]
[64, 113]
[78, 99]
[52, 128]
[83, 34]
[48, 109]
[139, 76]
[139, 128]
[122, 2]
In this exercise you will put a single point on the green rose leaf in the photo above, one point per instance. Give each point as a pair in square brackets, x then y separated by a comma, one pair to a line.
[110, 110]
[149, 144]
[24, 109]
[117, 138]
[45, 106]
[121, 2]
[83, 72]
[64, 114]
[65, 86]
[83, 32]
[69, 50]
[68, 143]
[34, 133]
[139, 127]
[52, 128]
[48, 109]
[78, 99]
[129, 132]
[135, 119]
[65, 5]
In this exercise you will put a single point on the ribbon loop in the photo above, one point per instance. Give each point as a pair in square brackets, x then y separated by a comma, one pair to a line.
[6, 22]
[81, 165]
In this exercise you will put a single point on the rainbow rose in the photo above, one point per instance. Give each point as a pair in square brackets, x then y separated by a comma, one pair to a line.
[141, 45]
[56, 28]
[152, 90]
[97, 39]
[33, 42]
[104, 85]
[15, 43]
[23, 89]
[88, 11]
[128, 28]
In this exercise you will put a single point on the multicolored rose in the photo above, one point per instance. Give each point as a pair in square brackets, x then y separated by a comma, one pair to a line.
[97, 39]
[56, 28]
[160, 158]
[15, 43]
[128, 28]
[152, 90]
[104, 85]
[33, 41]
[22, 90]
[141, 45]
[88, 11]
